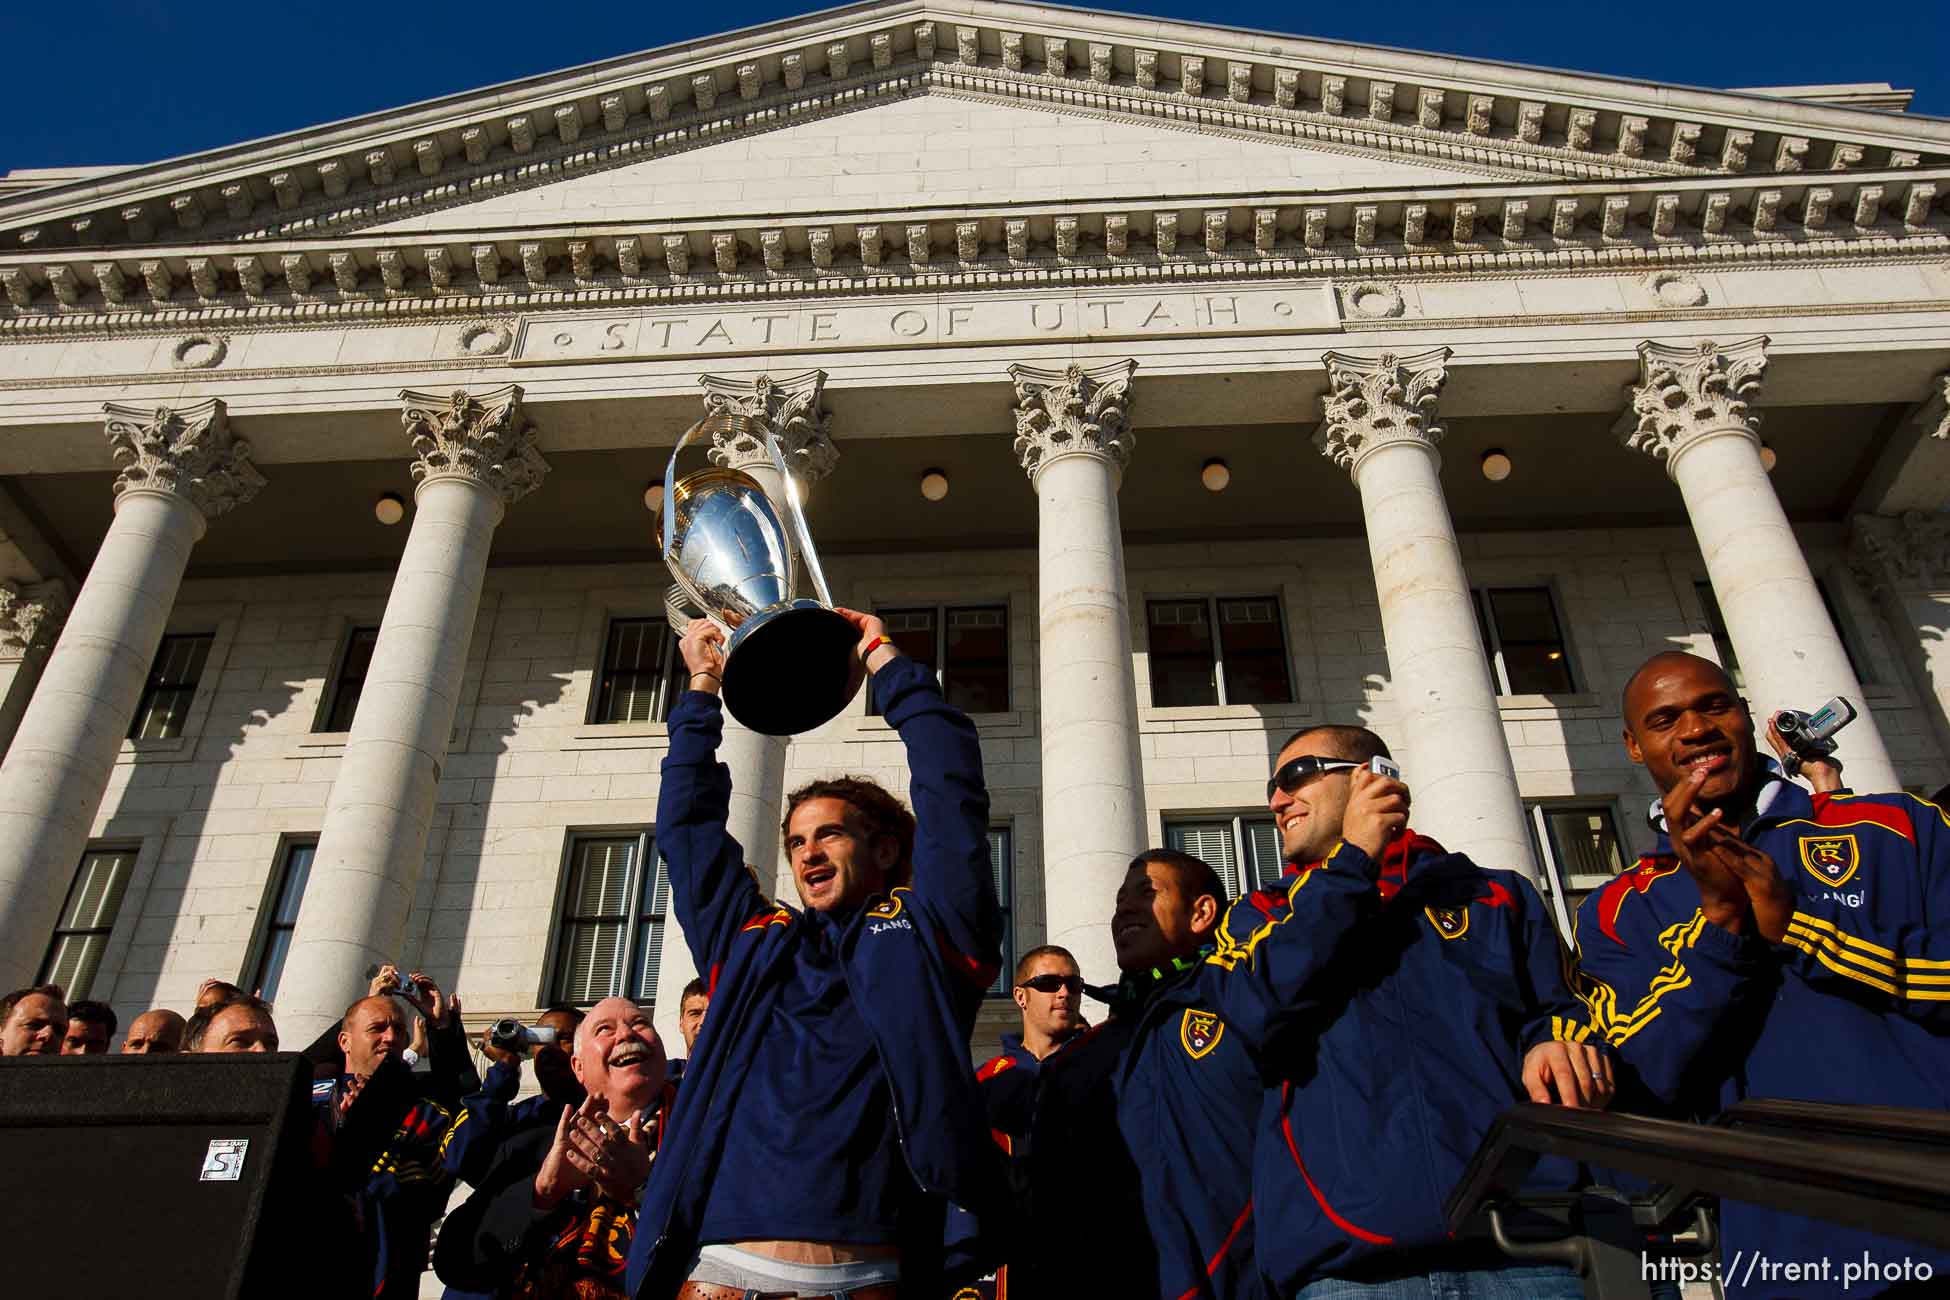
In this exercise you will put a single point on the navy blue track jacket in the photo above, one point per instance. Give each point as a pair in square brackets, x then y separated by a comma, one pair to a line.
[919, 960]
[1393, 1003]
[1142, 1148]
[1854, 1006]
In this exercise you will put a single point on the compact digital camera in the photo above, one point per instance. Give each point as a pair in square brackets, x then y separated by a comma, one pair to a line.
[1812, 735]
[510, 1035]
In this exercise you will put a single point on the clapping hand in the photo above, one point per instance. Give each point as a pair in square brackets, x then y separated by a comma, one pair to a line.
[1733, 876]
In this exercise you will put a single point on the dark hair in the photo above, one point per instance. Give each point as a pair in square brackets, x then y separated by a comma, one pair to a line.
[881, 811]
[564, 1009]
[1942, 797]
[1195, 875]
[199, 1024]
[93, 1013]
[1028, 959]
[1347, 740]
[229, 991]
[18, 996]
[697, 988]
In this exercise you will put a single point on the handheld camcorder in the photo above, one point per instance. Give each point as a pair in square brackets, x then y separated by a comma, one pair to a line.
[510, 1035]
[1384, 767]
[1812, 735]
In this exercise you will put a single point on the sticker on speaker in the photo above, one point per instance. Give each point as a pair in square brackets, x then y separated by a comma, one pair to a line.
[224, 1161]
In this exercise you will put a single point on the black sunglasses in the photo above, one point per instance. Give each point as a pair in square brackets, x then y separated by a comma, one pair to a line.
[1051, 983]
[1297, 772]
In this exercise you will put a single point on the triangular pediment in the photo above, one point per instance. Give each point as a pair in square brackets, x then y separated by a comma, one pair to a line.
[931, 151]
[1449, 116]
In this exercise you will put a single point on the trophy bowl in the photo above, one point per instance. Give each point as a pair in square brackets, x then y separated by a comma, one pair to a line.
[789, 664]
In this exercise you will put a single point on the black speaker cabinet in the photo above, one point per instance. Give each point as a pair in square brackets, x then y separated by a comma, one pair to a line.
[161, 1176]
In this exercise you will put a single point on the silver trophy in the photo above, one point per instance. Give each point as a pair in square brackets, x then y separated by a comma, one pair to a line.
[789, 664]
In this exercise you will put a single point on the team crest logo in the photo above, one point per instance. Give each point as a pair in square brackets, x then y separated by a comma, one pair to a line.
[1449, 922]
[888, 910]
[1200, 1032]
[1831, 859]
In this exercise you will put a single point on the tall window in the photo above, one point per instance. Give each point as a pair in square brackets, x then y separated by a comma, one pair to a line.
[965, 646]
[87, 919]
[1525, 640]
[612, 920]
[1245, 663]
[171, 686]
[1579, 848]
[639, 656]
[1245, 851]
[1002, 858]
[293, 872]
[354, 664]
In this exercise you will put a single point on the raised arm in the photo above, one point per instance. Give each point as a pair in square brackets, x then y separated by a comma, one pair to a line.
[1657, 994]
[952, 877]
[710, 887]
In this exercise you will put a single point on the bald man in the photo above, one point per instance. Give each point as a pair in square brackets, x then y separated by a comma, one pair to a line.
[1774, 944]
[154, 1032]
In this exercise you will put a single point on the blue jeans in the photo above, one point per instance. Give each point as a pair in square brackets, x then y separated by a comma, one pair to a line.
[1519, 1282]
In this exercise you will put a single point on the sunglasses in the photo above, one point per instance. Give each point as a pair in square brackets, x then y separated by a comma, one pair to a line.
[1051, 983]
[1299, 771]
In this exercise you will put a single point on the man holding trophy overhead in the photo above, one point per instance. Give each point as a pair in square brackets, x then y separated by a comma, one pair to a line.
[830, 1115]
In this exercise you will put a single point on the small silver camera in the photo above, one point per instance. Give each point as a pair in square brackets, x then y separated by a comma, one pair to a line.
[1811, 736]
[1384, 767]
[510, 1035]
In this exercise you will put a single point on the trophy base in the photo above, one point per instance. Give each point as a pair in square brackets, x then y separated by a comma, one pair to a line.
[791, 669]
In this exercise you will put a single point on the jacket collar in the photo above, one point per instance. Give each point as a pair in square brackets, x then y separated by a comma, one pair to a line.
[1404, 850]
[1131, 993]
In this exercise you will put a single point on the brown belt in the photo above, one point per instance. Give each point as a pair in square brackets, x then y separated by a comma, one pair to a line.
[713, 1291]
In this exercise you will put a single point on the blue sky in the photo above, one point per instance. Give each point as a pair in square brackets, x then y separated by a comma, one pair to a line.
[131, 81]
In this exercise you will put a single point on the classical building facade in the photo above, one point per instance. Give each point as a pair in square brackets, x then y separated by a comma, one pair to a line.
[1167, 387]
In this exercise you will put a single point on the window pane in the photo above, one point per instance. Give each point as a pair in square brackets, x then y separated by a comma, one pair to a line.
[1254, 651]
[633, 664]
[592, 961]
[1001, 860]
[912, 632]
[976, 673]
[353, 670]
[1264, 864]
[1532, 643]
[1180, 654]
[87, 918]
[284, 919]
[1584, 841]
[1209, 841]
[601, 885]
[172, 682]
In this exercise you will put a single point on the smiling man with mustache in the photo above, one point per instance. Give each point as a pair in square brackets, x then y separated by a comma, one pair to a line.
[556, 1210]
[1774, 944]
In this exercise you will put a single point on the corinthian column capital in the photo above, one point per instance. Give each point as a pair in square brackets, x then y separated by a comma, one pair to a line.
[1372, 402]
[1073, 411]
[485, 438]
[187, 452]
[1686, 393]
[786, 407]
[1907, 552]
[31, 617]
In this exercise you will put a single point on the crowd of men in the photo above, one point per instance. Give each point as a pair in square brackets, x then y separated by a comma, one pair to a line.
[1273, 1099]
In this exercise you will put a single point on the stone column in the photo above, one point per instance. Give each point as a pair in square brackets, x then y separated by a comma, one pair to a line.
[1073, 437]
[30, 619]
[788, 406]
[1380, 426]
[180, 468]
[1691, 411]
[474, 456]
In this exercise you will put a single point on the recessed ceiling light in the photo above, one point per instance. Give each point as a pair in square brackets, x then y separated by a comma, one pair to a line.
[1767, 458]
[653, 497]
[934, 484]
[1496, 465]
[1215, 474]
[389, 509]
